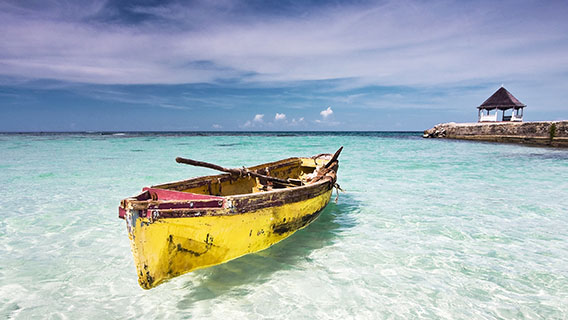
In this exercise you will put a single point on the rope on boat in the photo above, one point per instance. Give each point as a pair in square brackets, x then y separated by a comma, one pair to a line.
[337, 189]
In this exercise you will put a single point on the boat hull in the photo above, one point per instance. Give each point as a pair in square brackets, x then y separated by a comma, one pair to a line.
[178, 227]
[164, 248]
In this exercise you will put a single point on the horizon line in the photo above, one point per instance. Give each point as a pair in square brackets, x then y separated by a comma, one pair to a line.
[202, 131]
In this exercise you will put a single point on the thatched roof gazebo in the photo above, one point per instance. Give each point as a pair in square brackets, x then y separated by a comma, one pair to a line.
[501, 100]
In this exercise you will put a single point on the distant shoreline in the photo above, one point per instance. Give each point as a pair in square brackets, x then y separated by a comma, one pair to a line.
[200, 132]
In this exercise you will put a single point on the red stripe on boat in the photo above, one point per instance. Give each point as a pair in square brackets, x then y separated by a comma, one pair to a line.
[121, 212]
[162, 194]
[188, 205]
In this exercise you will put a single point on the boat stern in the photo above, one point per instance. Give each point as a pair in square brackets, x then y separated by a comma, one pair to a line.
[152, 221]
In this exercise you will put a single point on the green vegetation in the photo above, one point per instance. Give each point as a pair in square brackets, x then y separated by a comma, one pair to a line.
[552, 131]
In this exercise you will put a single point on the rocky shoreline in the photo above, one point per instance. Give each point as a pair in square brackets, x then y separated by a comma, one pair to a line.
[539, 133]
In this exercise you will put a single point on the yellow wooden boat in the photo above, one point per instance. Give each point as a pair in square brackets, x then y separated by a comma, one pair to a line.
[179, 227]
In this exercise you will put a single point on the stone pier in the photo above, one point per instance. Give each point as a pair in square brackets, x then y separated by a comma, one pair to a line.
[539, 133]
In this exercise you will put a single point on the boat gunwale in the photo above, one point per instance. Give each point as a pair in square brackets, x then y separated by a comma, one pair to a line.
[229, 197]
[229, 201]
[228, 175]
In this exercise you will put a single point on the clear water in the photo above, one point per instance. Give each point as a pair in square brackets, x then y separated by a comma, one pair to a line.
[426, 229]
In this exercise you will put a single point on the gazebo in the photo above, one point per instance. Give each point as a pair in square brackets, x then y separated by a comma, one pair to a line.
[501, 100]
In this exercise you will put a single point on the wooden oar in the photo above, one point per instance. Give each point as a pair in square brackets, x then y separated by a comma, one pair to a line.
[240, 172]
[246, 172]
[207, 165]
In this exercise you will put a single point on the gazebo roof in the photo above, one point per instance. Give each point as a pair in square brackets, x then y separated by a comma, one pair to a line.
[502, 100]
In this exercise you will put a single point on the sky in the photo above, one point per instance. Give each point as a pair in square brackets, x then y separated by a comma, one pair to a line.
[233, 65]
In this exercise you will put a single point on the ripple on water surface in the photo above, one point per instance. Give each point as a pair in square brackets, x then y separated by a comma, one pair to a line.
[426, 229]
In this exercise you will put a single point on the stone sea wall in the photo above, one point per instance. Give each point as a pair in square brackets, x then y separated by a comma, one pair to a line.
[543, 133]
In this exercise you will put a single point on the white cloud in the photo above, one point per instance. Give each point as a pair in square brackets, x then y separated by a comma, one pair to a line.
[326, 113]
[394, 42]
[258, 118]
[297, 122]
[256, 122]
[280, 122]
[216, 126]
[326, 119]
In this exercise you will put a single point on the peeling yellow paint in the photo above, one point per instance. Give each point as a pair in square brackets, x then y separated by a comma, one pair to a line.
[167, 248]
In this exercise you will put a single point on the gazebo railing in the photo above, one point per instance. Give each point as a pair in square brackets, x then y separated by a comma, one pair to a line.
[516, 118]
[488, 117]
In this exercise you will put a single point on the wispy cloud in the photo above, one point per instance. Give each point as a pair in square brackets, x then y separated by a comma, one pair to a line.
[386, 43]
[280, 122]
[104, 93]
[294, 123]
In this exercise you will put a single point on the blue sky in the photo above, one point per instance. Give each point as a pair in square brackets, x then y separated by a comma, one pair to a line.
[275, 65]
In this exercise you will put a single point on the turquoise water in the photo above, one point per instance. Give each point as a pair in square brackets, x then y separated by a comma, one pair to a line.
[426, 229]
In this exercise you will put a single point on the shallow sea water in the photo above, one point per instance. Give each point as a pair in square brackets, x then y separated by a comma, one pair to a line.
[433, 229]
